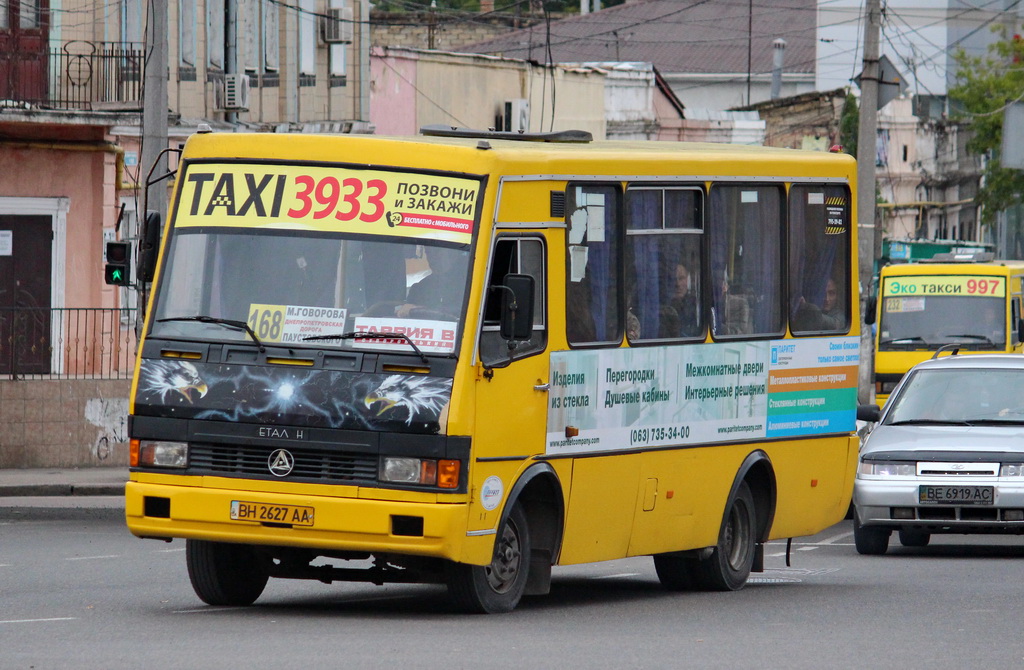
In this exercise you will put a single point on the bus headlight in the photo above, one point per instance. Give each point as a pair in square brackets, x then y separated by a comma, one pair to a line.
[159, 454]
[443, 473]
[887, 468]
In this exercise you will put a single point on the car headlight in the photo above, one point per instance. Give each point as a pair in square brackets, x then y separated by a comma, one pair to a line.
[159, 454]
[887, 468]
[1011, 470]
[443, 473]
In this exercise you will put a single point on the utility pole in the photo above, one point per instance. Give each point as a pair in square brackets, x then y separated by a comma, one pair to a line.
[869, 232]
[154, 132]
[154, 110]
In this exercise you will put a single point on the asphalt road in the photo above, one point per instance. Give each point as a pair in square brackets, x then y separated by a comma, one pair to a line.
[77, 590]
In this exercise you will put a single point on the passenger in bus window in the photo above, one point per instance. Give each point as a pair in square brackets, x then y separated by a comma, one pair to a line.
[829, 316]
[685, 304]
[441, 290]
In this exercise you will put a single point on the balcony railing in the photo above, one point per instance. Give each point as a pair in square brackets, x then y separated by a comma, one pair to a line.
[67, 343]
[81, 75]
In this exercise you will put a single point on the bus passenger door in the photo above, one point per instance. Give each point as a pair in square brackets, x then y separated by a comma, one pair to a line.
[511, 402]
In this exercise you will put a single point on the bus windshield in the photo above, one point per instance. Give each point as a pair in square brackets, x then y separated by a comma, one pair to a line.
[302, 289]
[931, 321]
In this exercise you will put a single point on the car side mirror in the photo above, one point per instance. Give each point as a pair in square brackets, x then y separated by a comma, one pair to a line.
[148, 246]
[870, 306]
[516, 322]
[869, 413]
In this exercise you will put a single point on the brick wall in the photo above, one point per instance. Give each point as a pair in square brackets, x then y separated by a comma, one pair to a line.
[63, 423]
[424, 30]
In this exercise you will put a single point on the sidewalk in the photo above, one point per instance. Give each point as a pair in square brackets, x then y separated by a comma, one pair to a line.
[46, 482]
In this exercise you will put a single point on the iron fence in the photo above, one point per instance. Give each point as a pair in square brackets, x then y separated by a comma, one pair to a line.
[80, 75]
[67, 343]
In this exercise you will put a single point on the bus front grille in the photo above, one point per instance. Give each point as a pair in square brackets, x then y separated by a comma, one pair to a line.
[321, 465]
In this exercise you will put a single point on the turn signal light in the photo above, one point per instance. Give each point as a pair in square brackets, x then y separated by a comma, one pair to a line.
[448, 474]
[133, 453]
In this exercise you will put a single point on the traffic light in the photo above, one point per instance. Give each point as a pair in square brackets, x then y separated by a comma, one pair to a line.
[119, 264]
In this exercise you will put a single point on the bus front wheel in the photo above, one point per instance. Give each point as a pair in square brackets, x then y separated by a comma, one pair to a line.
[497, 587]
[225, 574]
[730, 562]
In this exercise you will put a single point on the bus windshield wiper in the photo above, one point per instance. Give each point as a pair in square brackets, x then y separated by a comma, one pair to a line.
[230, 323]
[364, 335]
[905, 340]
[975, 337]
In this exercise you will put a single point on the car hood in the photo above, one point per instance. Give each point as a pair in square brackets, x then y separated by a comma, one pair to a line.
[942, 438]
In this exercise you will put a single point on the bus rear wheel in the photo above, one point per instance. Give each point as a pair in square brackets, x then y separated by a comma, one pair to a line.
[225, 574]
[728, 566]
[497, 587]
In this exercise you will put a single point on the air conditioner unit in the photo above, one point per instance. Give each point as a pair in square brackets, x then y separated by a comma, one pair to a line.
[517, 115]
[235, 95]
[336, 26]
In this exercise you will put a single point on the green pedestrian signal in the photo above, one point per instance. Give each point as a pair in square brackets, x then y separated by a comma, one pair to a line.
[119, 262]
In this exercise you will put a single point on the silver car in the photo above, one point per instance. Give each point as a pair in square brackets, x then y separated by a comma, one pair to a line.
[946, 456]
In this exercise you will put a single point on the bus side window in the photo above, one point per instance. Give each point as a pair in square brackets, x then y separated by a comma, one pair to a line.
[514, 255]
[746, 259]
[819, 246]
[664, 228]
[592, 310]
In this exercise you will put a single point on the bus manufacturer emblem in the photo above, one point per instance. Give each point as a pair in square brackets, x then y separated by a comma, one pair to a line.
[281, 463]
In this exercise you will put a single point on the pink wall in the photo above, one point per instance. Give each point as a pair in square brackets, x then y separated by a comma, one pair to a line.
[393, 94]
[85, 177]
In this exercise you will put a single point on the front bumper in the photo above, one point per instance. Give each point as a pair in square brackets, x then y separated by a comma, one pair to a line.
[893, 502]
[342, 524]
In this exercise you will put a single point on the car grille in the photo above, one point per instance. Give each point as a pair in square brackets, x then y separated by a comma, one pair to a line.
[320, 465]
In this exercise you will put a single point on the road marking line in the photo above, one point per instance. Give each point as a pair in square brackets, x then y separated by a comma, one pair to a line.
[63, 618]
[621, 574]
[168, 551]
[90, 558]
[840, 536]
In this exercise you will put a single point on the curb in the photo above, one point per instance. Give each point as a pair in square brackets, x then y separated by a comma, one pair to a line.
[50, 490]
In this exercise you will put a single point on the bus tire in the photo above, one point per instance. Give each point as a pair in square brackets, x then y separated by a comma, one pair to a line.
[728, 566]
[870, 540]
[225, 574]
[914, 538]
[495, 588]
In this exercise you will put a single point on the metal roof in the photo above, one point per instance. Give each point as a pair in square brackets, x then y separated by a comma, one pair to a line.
[676, 36]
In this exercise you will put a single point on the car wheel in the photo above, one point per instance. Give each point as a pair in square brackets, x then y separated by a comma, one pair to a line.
[728, 566]
[870, 540]
[498, 587]
[225, 574]
[914, 538]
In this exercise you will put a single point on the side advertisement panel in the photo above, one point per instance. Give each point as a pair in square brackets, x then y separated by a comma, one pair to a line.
[616, 399]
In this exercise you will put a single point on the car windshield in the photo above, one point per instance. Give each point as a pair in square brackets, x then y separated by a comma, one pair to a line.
[969, 396]
[290, 288]
[934, 320]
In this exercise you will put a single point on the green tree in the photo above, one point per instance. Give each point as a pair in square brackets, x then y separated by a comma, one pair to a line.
[849, 124]
[985, 86]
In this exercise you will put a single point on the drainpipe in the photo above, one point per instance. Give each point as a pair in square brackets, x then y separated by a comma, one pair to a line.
[778, 56]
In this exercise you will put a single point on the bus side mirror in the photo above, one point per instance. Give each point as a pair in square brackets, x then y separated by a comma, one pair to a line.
[869, 413]
[1020, 330]
[870, 306]
[148, 246]
[516, 307]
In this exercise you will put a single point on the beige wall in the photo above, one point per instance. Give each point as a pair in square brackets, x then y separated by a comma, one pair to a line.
[412, 88]
[63, 424]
